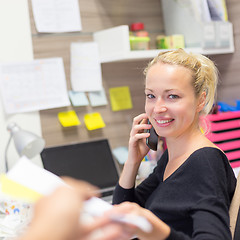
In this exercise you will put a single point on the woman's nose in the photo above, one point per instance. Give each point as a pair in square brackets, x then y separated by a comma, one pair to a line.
[160, 106]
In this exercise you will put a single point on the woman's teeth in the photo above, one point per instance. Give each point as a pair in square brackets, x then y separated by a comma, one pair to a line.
[164, 121]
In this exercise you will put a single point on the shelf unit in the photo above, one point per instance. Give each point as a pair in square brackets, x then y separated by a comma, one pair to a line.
[114, 46]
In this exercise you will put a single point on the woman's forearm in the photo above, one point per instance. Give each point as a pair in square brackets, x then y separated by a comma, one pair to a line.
[128, 176]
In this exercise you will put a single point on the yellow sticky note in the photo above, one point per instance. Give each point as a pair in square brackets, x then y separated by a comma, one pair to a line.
[120, 98]
[93, 121]
[68, 119]
[18, 191]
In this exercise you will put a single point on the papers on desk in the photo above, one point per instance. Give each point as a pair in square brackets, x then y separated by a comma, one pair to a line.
[56, 16]
[33, 85]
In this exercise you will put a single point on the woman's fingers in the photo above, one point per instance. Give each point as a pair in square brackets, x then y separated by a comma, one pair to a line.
[139, 124]
[138, 119]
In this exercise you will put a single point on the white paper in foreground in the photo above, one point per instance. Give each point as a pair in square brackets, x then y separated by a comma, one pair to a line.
[34, 177]
[33, 85]
[86, 73]
[56, 15]
[42, 181]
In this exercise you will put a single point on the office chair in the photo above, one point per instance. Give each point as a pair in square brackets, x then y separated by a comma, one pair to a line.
[234, 212]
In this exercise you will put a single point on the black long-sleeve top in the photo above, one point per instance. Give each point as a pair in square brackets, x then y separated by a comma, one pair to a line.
[194, 201]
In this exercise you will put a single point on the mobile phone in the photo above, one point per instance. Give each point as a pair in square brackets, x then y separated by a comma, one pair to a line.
[152, 140]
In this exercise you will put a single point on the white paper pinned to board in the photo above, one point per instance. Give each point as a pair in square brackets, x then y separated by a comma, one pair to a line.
[33, 85]
[56, 16]
[86, 73]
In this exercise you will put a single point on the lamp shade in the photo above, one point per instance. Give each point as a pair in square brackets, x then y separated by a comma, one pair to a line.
[26, 143]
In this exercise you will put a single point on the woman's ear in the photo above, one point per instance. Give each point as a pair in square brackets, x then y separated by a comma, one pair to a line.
[201, 102]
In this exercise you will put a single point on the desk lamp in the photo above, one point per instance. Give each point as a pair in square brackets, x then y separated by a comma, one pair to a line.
[26, 143]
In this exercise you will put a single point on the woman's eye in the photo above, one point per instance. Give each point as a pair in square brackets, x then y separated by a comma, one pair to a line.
[173, 96]
[150, 96]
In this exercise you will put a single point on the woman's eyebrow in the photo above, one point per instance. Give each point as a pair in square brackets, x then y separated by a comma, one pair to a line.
[149, 89]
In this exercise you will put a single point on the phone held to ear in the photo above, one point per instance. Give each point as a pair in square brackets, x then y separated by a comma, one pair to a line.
[152, 140]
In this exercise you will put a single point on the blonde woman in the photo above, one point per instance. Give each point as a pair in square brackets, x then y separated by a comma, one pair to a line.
[189, 193]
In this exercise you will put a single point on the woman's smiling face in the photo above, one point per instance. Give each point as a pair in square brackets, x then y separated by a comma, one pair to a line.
[171, 104]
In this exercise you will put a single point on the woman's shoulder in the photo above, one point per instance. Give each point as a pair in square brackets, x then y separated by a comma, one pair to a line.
[210, 156]
[212, 160]
[215, 168]
[210, 151]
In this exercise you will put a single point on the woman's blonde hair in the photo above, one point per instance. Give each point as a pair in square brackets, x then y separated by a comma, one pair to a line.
[205, 73]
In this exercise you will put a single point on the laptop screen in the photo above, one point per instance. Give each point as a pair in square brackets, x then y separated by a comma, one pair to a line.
[89, 161]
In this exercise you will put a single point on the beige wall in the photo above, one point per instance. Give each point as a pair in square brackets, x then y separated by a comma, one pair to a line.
[101, 14]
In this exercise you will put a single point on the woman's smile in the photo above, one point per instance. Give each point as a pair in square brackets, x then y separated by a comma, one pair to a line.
[163, 122]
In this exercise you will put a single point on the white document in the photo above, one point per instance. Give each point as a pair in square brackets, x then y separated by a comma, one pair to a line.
[33, 85]
[56, 15]
[34, 177]
[86, 74]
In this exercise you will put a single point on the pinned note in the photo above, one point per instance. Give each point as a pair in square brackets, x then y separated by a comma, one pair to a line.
[33, 85]
[97, 98]
[68, 119]
[57, 16]
[94, 121]
[78, 98]
[86, 72]
[120, 98]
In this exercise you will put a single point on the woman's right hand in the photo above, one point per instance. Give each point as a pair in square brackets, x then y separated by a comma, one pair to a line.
[138, 149]
[136, 152]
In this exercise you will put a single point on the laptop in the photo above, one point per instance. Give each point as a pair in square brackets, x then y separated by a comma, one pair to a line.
[90, 161]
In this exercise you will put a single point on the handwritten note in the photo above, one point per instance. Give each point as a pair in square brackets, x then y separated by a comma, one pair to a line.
[68, 119]
[33, 85]
[94, 121]
[120, 98]
[56, 16]
[86, 72]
